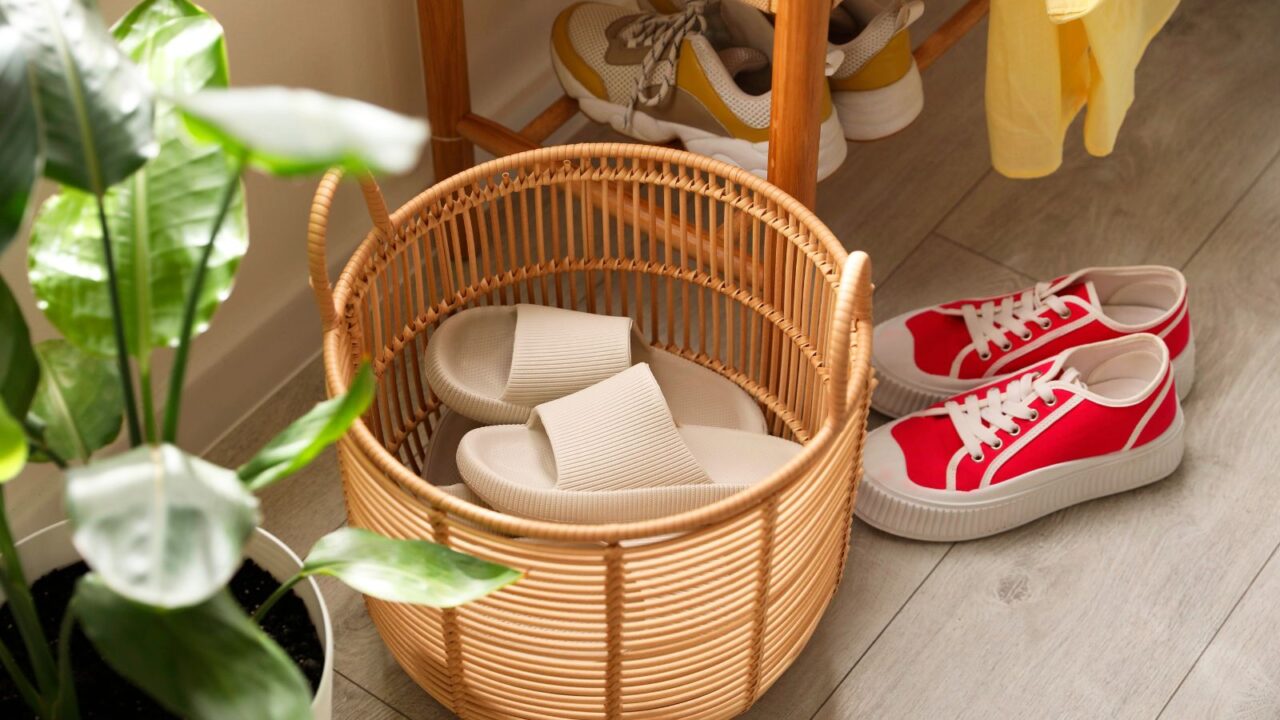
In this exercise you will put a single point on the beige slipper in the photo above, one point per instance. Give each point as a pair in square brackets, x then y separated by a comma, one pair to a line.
[613, 453]
[494, 364]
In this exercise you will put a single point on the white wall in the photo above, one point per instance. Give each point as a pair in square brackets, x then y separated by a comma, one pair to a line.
[366, 49]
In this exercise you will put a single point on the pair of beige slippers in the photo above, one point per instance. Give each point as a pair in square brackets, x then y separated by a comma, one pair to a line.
[570, 417]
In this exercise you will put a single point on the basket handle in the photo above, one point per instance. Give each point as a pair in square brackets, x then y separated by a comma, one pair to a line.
[853, 308]
[317, 231]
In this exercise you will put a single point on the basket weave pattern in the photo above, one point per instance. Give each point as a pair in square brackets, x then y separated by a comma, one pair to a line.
[691, 616]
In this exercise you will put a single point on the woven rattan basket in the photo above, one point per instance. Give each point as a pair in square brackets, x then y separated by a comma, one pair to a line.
[691, 616]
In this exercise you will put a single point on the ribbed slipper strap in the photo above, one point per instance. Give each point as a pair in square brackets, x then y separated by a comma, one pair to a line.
[617, 435]
[557, 352]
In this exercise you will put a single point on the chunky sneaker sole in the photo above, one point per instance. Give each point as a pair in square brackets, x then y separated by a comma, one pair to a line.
[1008, 505]
[751, 156]
[875, 114]
[1097, 419]
[895, 397]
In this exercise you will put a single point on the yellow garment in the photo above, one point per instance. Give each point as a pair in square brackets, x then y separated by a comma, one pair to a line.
[1046, 59]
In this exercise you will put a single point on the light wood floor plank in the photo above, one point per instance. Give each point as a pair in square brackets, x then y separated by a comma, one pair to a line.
[889, 194]
[362, 657]
[1100, 610]
[1236, 677]
[1201, 130]
[350, 702]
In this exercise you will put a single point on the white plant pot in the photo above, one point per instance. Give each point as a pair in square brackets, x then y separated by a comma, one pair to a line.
[51, 549]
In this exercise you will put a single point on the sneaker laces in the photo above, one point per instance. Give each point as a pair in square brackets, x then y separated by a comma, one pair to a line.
[989, 322]
[663, 34]
[976, 419]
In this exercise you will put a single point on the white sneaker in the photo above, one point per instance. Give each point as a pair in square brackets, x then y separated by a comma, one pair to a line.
[701, 76]
[877, 89]
[876, 86]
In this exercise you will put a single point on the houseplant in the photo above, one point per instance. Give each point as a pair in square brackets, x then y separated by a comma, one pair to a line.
[135, 253]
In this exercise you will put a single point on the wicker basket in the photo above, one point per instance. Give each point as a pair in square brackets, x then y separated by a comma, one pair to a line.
[691, 616]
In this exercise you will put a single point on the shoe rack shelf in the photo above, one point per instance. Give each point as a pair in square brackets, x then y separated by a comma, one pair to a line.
[798, 63]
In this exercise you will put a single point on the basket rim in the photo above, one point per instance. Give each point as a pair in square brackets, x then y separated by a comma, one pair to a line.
[361, 439]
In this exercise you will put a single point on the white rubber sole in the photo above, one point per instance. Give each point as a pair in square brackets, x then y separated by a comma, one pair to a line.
[750, 156]
[896, 397]
[873, 114]
[953, 517]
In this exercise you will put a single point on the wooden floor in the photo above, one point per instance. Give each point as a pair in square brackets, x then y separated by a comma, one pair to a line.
[1164, 602]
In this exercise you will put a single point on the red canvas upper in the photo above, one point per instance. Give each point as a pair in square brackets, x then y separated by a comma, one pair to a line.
[1076, 425]
[942, 343]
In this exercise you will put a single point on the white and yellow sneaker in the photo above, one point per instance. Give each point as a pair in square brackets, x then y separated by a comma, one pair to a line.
[701, 76]
[876, 88]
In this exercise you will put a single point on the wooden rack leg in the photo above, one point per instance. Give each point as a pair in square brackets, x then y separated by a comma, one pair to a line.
[444, 70]
[799, 57]
[951, 32]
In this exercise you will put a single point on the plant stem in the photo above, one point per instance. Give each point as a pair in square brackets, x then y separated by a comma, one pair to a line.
[117, 322]
[280, 592]
[14, 583]
[67, 706]
[173, 405]
[148, 404]
[37, 442]
[20, 681]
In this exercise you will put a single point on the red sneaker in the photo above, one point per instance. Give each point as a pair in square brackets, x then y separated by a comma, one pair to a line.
[926, 356]
[1098, 419]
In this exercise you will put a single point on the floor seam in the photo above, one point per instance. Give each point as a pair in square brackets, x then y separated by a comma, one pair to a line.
[1191, 668]
[933, 230]
[984, 256]
[1230, 211]
[882, 631]
[371, 694]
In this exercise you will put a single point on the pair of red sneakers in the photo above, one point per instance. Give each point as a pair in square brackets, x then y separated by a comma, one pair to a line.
[1015, 406]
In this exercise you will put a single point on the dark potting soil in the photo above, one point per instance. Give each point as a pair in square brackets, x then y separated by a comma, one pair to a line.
[104, 694]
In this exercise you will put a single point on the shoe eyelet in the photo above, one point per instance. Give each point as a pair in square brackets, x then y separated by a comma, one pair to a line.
[997, 444]
[1006, 347]
[1027, 336]
[1045, 323]
[1051, 401]
[1035, 415]
[984, 356]
[1016, 431]
[1065, 315]
[978, 458]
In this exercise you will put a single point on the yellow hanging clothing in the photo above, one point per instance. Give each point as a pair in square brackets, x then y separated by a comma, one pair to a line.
[1046, 59]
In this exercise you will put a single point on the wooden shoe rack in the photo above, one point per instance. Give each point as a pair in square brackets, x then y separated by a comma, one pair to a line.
[797, 81]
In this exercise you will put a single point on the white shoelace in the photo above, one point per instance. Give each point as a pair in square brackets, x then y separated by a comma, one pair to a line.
[977, 418]
[663, 34]
[988, 323]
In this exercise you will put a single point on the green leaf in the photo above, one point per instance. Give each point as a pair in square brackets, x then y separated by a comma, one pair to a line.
[95, 105]
[159, 218]
[300, 443]
[78, 402]
[13, 446]
[20, 158]
[204, 662]
[288, 132]
[408, 571]
[19, 371]
[160, 526]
